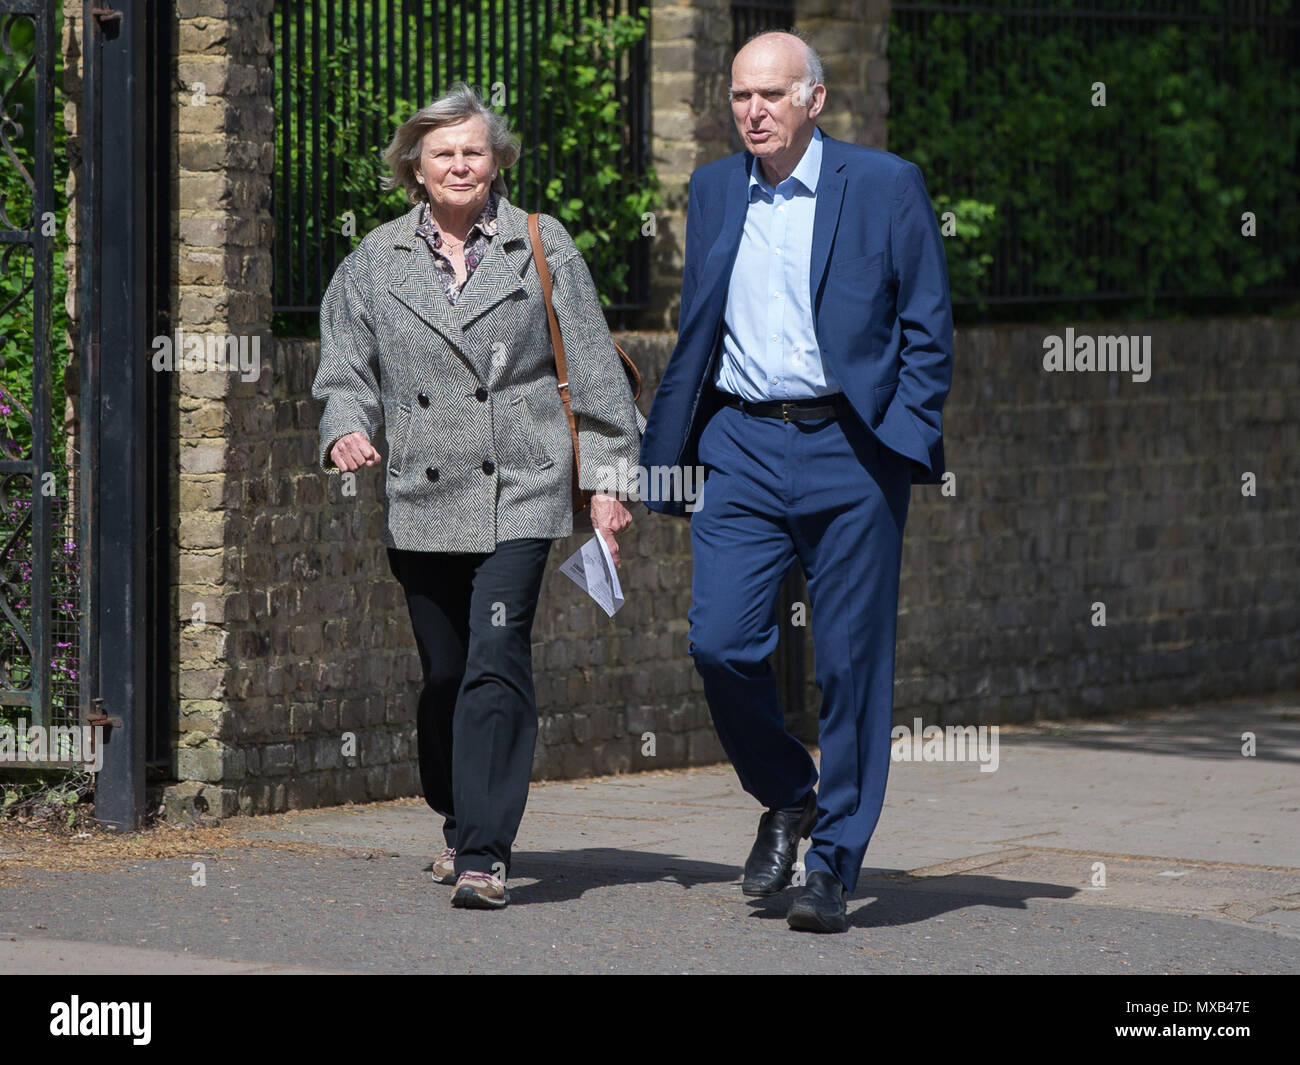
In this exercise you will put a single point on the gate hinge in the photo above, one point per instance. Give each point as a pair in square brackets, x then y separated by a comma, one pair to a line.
[106, 16]
[98, 717]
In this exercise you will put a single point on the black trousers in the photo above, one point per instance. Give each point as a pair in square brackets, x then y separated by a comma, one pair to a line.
[477, 719]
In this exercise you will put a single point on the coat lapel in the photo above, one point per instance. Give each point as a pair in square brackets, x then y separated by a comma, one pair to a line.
[722, 256]
[416, 285]
[826, 213]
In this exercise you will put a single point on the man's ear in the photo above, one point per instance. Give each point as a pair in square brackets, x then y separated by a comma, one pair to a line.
[817, 102]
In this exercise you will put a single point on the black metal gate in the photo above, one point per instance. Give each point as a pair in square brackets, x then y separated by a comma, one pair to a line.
[84, 455]
[81, 598]
[40, 612]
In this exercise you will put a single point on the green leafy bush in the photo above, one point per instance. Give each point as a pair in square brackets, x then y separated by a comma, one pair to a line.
[1140, 199]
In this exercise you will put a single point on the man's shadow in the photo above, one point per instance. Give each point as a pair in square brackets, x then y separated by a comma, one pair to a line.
[882, 898]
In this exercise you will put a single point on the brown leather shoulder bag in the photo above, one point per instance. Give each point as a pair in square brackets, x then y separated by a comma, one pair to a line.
[580, 498]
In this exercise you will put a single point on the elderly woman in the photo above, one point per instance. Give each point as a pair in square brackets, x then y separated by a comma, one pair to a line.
[435, 326]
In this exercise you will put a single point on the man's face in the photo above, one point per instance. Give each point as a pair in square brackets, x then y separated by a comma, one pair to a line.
[456, 165]
[771, 104]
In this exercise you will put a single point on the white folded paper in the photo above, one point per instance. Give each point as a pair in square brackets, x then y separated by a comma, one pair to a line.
[591, 568]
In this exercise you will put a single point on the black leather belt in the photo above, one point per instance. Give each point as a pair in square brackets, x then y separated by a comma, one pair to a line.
[790, 410]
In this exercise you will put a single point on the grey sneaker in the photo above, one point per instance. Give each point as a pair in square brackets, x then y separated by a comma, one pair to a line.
[479, 891]
[444, 867]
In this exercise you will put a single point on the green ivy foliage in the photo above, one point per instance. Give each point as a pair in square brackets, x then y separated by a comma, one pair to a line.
[606, 212]
[1142, 198]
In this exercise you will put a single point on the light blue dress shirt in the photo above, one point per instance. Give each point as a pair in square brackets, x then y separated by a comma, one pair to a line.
[769, 345]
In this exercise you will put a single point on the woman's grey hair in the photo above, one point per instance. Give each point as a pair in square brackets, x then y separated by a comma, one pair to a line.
[403, 153]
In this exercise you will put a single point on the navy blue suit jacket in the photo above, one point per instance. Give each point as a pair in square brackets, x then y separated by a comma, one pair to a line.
[880, 300]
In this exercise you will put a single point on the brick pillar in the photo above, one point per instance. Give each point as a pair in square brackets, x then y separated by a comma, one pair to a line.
[224, 126]
[690, 60]
[851, 37]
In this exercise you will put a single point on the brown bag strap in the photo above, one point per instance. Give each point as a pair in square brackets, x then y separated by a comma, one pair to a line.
[557, 346]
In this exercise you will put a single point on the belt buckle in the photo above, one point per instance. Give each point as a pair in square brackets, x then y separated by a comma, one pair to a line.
[785, 412]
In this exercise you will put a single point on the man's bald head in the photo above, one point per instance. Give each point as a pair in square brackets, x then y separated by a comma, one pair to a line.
[789, 47]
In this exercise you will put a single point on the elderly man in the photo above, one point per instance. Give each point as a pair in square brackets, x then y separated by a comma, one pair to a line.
[813, 357]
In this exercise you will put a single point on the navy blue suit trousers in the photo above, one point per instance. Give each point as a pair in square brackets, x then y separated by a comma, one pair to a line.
[830, 494]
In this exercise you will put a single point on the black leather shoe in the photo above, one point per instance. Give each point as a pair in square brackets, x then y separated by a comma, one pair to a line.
[818, 906]
[771, 861]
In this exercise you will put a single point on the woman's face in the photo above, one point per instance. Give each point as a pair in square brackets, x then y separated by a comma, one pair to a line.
[456, 167]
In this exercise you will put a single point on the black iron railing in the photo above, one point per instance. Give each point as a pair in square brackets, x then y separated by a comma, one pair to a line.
[749, 17]
[40, 611]
[347, 72]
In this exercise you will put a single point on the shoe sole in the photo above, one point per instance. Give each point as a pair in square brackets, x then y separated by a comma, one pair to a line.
[467, 898]
[805, 830]
[446, 878]
[808, 921]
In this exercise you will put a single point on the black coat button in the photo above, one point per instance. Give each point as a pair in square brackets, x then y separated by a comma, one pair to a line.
[431, 473]
[481, 395]
[423, 398]
[488, 467]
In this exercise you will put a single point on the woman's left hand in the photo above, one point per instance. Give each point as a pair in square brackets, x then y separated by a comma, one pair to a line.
[609, 516]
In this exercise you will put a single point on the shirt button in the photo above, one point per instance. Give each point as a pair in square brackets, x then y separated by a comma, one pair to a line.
[777, 250]
[777, 294]
[423, 398]
[431, 473]
[481, 395]
[488, 467]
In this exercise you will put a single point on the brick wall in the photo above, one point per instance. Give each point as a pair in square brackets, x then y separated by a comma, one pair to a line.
[1082, 488]
[1069, 490]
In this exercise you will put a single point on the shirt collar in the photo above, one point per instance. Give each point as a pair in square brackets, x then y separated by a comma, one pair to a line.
[805, 172]
[486, 223]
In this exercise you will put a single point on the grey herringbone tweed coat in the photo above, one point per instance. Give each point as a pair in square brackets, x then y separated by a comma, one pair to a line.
[478, 448]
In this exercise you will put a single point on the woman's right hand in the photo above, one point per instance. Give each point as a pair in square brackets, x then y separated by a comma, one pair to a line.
[353, 451]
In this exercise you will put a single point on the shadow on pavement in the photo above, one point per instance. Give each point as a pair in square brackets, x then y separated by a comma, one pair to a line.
[567, 874]
[895, 904]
